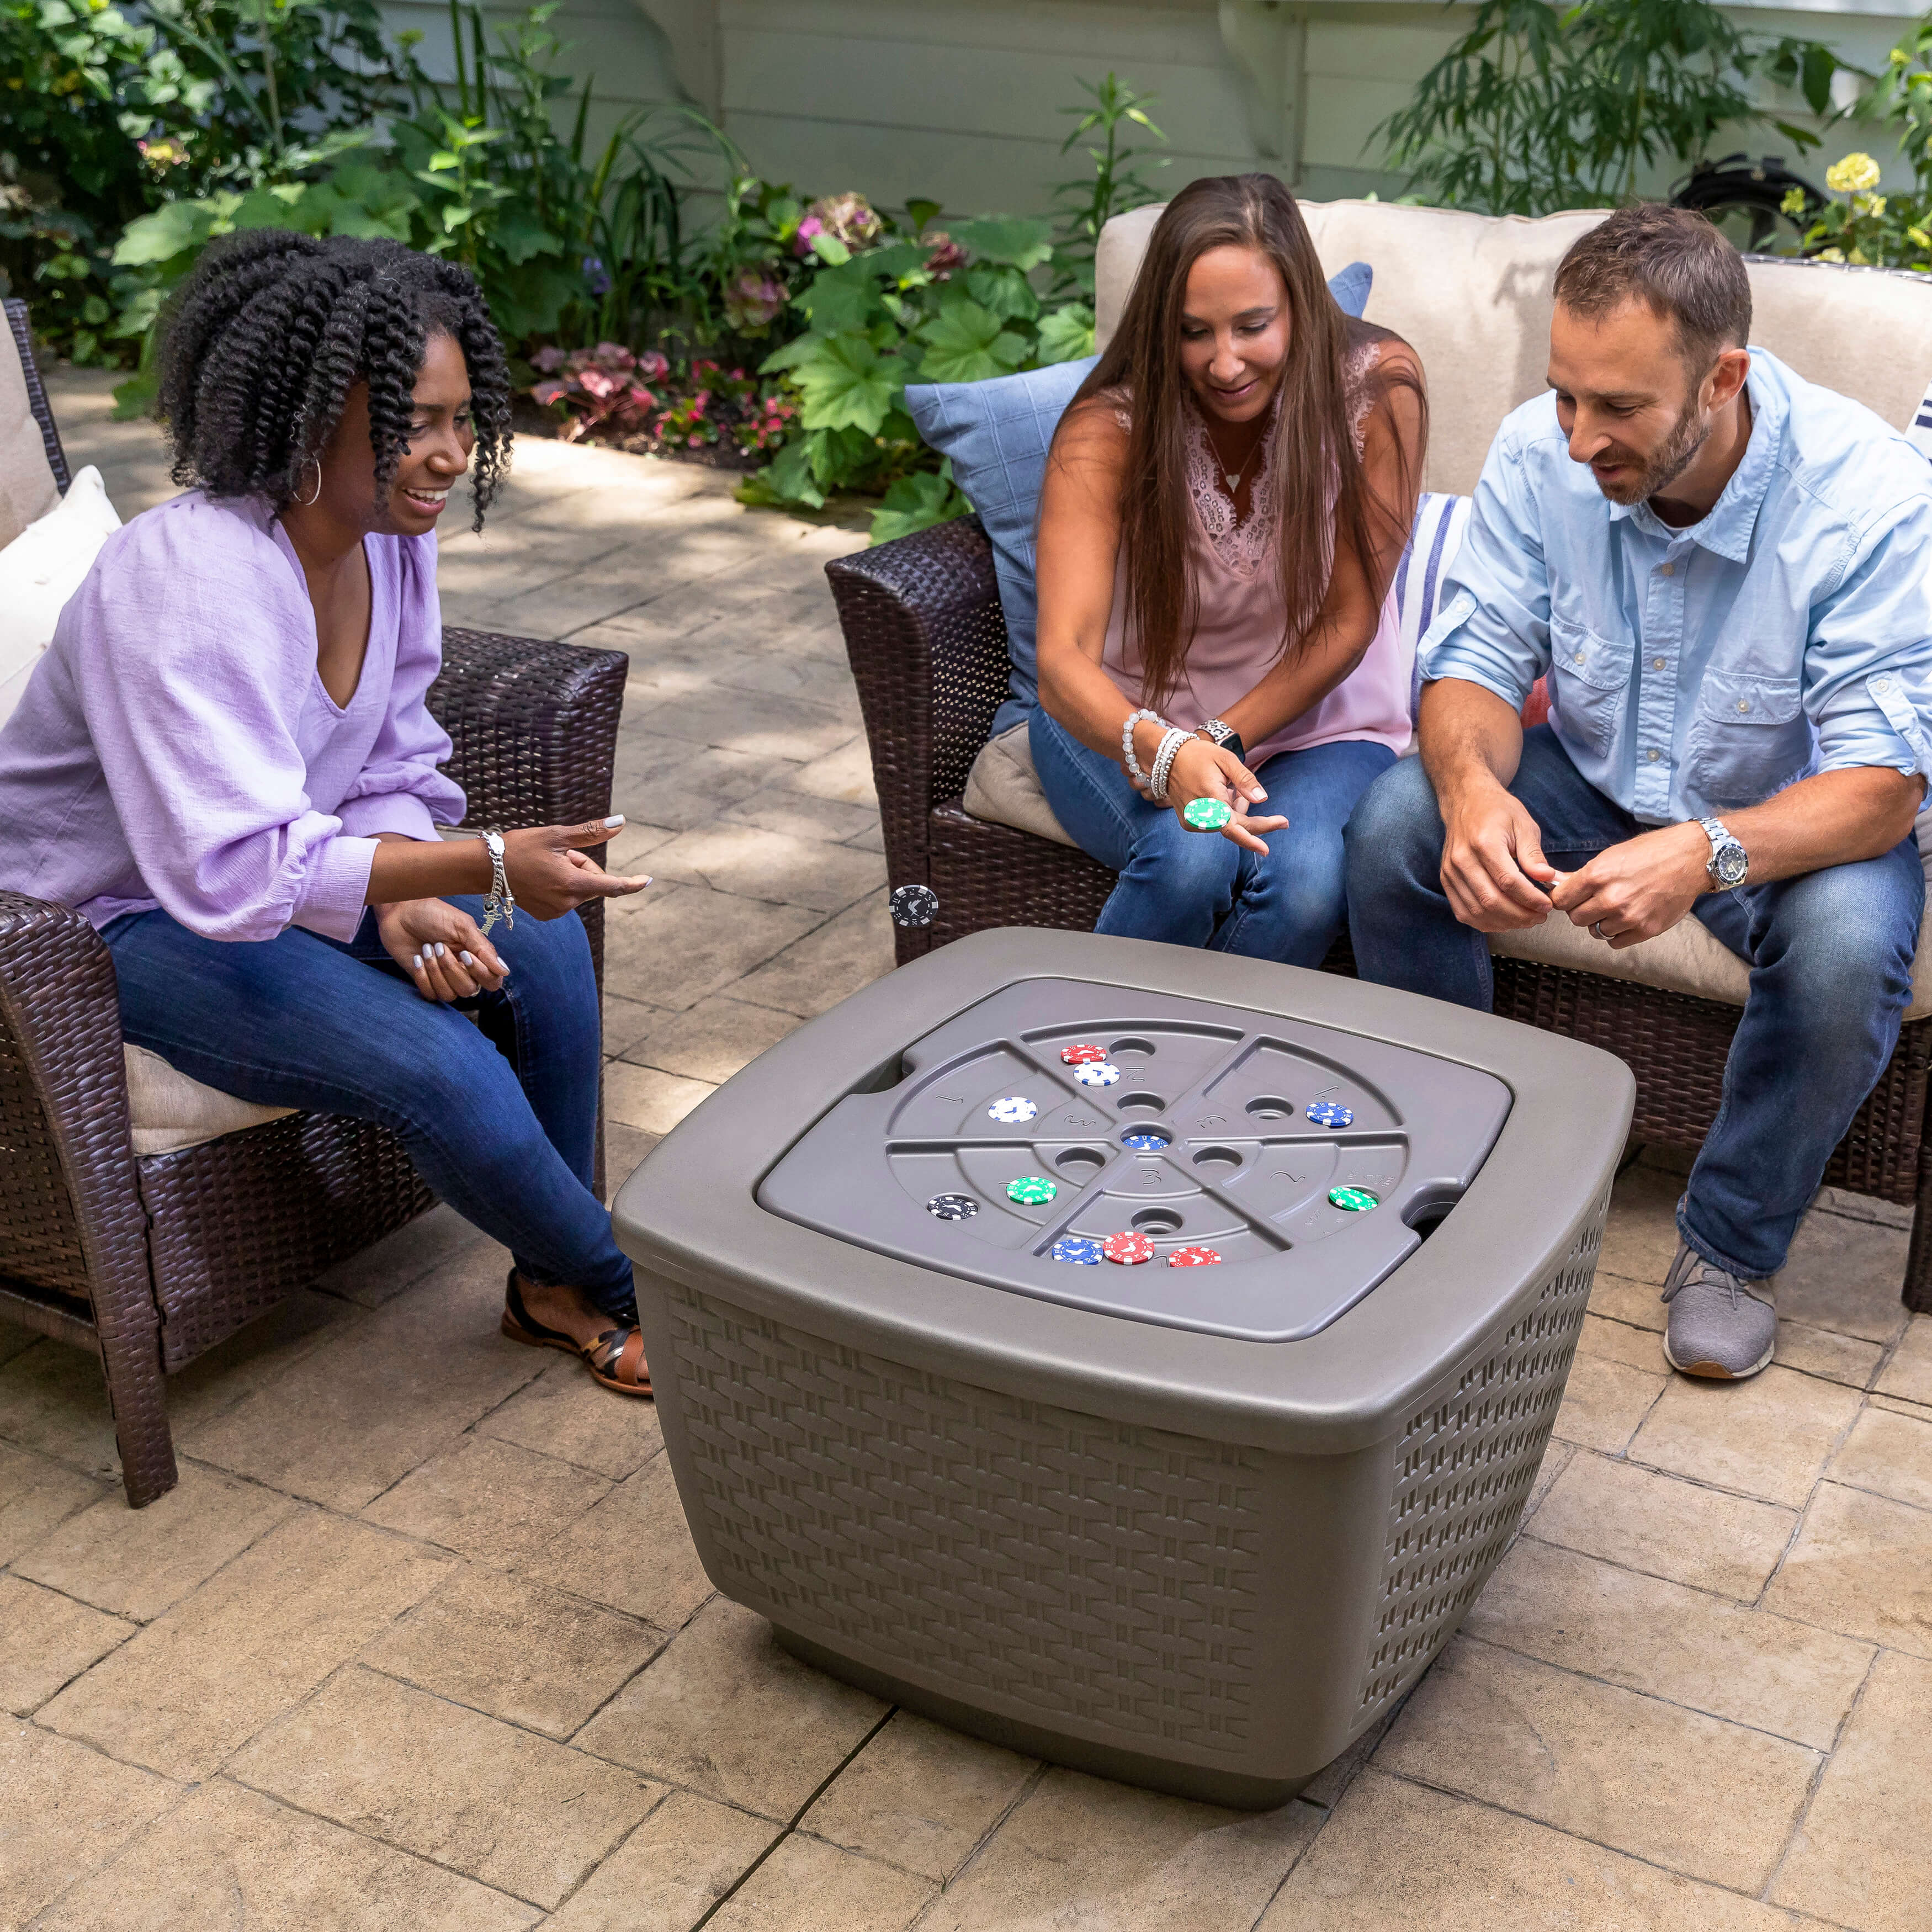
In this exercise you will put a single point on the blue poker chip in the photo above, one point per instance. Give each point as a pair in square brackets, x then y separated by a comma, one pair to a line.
[1078, 1249]
[1329, 1114]
[1146, 1140]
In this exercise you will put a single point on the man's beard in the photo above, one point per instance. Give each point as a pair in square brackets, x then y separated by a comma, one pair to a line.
[1671, 459]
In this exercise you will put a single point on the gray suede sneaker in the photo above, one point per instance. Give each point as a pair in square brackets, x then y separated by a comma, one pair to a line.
[1720, 1326]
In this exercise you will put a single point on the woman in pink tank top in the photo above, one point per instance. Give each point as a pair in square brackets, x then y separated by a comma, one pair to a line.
[1226, 500]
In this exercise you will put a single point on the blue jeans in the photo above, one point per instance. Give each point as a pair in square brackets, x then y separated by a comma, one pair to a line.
[499, 1118]
[1199, 888]
[1831, 958]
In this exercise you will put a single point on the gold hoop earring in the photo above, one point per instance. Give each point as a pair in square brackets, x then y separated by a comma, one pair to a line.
[308, 501]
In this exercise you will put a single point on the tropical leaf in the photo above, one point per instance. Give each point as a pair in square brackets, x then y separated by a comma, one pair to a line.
[839, 302]
[1006, 241]
[847, 384]
[1004, 292]
[917, 501]
[964, 343]
[1067, 333]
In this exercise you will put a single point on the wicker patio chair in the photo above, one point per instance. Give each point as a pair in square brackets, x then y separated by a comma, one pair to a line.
[149, 1261]
[928, 644]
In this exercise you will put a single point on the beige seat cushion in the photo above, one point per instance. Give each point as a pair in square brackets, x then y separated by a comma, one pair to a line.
[170, 1110]
[27, 491]
[1472, 293]
[1003, 786]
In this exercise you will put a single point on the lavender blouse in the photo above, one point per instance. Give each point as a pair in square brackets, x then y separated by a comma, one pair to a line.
[175, 746]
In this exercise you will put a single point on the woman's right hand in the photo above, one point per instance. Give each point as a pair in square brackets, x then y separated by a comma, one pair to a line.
[1202, 770]
[549, 874]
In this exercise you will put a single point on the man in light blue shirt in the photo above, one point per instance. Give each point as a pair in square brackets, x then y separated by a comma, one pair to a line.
[1726, 574]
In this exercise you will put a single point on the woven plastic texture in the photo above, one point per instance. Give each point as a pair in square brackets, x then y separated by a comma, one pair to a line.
[37, 394]
[843, 1493]
[1464, 1467]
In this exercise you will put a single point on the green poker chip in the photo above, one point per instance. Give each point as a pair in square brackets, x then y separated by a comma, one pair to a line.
[1207, 815]
[1356, 1200]
[1031, 1190]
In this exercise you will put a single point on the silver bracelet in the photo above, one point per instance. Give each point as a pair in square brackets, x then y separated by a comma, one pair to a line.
[1127, 758]
[1171, 741]
[500, 903]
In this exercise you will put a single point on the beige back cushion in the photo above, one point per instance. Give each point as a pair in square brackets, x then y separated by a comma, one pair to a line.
[1471, 292]
[27, 488]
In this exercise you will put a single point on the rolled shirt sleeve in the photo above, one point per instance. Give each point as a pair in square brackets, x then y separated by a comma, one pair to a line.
[1493, 627]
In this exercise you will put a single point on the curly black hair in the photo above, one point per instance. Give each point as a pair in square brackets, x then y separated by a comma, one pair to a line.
[271, 329]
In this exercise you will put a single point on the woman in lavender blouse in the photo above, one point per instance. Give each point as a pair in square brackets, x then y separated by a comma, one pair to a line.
[224, 761]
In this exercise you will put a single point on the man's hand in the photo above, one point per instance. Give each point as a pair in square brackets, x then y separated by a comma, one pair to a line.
[1630, 892]
[1493, 861]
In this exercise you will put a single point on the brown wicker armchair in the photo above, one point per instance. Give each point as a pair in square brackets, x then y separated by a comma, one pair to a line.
[150, 1261]
[928, 644]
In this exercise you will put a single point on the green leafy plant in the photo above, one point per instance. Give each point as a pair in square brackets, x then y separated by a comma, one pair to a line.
[1086, 204]
[1538, 107]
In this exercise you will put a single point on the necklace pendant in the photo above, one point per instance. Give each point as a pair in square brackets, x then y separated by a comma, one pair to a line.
[1234, 477]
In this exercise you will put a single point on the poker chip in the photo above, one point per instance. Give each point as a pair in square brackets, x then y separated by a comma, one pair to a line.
[1078, 1249]
[1097, 1073]
[1031, 1190]
[952, 1206]
[1146, 1140]
[1128, 1249]
[1330, 1113]
[1356, 1200]
[1014, 1108]
[914, 905]
[1082, 1056]
[1194, 1257]
[1207, 815]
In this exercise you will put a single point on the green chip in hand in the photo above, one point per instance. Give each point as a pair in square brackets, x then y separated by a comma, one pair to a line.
[1207, 815]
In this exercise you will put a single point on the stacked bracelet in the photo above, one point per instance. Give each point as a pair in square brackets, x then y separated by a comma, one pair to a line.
[500, 903]
[1127, 758]
[1171, 741]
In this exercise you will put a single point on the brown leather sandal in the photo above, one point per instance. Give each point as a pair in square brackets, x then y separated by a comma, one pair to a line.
[615, 1358]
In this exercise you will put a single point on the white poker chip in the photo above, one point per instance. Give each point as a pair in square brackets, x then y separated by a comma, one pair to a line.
[1097, 1073]
[1015, 1107]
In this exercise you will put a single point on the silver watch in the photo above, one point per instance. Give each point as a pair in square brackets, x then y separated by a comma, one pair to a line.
[1730, 862]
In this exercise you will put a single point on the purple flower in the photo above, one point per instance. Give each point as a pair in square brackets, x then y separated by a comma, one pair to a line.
[653, 367]
[848, 216]
[547, 358]
[946, 254]
[754, 299]
[807, 229]
[596, 275]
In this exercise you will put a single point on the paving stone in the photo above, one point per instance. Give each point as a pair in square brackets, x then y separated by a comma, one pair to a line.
[872, 839]
[138, 1563]
[1604, 1402]
[1640, 1237]
[758, 864]
[812, 976]
[791, 673]
[682, 944]
[712, 1040]
[515, 1650]
[624, 1150]
[564, 1413]
[806, 1886]
[762, 724]
[1556, 1458]
[1664, 1527]
[646, 1098]
[845, 775]
[1396, 1856]
[1614, 1297]
[49, 1638]
[920, 1796]
[1625, 1771]
[1909, 1373]
[232, 1861]
[14, 1340]
[1618, 1341]
[1082, 1853]
[664, 782]
[625, 1022]
[399, 1261]
[1863, 1208]
[1769, 1437]
[52, 1399]
[256, 1638]
[1863, 1856]
[1668, 1642]
[489, 1500]
[255, 1357]
[1824, 1352]
[799, 814]
[1844, 1275]
[526, 1815]
[722, 1710]
[1862, 1564]
[35, 1494]
[1326, 1787]
[631, 1551]
[68, 1809]
[669, 1871]
[1889, 1452]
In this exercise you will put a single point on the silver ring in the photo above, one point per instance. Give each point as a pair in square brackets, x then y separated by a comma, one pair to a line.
[1597, 928]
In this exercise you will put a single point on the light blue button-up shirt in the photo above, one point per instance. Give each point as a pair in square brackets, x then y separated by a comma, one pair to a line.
[1697, 670]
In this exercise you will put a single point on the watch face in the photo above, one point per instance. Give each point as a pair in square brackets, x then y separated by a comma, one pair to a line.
[1732, 864]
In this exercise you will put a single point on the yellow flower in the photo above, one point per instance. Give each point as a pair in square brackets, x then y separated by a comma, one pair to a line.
[1831, 255]
[1919, 236]
[1873, 204]
[1854, 172]
[1860, 259]
[1793, 202]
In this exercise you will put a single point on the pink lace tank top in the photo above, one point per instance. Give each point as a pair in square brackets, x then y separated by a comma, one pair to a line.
[1237, 633]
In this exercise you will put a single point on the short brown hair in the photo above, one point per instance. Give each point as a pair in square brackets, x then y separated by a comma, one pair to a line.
[1671, 258]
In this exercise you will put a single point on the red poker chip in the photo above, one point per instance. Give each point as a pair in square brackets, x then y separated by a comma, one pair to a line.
[1127, 1250]
[1194, 1257]
[1081, 1056]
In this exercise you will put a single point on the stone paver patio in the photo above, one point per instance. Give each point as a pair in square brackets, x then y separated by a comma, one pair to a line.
[421, 1644]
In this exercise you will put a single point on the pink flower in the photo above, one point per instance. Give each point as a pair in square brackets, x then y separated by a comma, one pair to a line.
[652, 366]
[755, 298]
[595, 383]
[613, 355]
[553, 391]
[807, 229]
[547, 358]
[641, 397]
[946, 254]
[848, 216]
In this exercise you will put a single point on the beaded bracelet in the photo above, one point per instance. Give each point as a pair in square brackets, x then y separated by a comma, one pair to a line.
[1163, 762]
[1127, 758]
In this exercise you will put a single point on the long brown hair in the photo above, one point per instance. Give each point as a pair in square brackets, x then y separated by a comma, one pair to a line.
[1323, 495]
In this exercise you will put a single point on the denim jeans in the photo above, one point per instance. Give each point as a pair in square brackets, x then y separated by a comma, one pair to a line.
[499, 1117]
[1831, 958]
[1199, 888]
